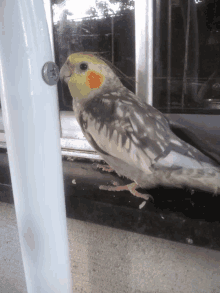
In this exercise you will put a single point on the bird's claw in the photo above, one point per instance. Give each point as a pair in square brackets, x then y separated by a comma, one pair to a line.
[129, 187]
[105, 168]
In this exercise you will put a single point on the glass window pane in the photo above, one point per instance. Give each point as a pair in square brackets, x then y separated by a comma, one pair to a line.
[186, 56]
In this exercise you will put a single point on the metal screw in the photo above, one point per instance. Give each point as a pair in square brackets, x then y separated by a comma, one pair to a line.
[50, 73]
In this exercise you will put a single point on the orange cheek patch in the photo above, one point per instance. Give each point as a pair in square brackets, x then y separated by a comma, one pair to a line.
[94, 80]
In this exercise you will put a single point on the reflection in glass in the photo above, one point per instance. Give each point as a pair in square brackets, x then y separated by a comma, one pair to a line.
[186, 56]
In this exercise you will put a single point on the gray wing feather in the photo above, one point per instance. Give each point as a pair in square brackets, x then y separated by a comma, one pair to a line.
[137, 134]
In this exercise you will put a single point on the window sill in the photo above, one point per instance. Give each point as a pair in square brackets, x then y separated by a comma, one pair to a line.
[72, 141]
[175, 215]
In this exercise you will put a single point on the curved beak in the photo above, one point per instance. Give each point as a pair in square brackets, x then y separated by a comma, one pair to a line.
[66, 71]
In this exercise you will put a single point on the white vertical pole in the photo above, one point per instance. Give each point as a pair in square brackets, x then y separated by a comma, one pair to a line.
[31, 121]
[144, 49]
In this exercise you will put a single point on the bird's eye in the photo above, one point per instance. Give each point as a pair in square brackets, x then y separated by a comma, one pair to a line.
[83, 66]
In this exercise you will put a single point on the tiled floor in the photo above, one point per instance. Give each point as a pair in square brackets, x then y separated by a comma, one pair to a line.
[107, 260]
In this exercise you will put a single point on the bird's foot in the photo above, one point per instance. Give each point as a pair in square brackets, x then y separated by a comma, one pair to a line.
[105, 168]
[130, 187]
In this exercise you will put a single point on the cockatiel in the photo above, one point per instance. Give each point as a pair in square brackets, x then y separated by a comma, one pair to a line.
[134, 138]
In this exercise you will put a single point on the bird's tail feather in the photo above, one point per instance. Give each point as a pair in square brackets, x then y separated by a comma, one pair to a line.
[207, 179]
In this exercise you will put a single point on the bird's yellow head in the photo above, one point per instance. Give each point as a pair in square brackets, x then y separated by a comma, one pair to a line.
[86, 75]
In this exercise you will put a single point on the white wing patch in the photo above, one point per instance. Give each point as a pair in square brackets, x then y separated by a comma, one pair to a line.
[134, 125]
[116, 94]
[161, 146]
[104, 130]
[120, 140]
[120, 112]
[97, 125]
[176, 142]
[126, 102]
[150, 154]
[135, 140]
[127, 144]
[176, 159]
[160, 136]
[139, 117]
